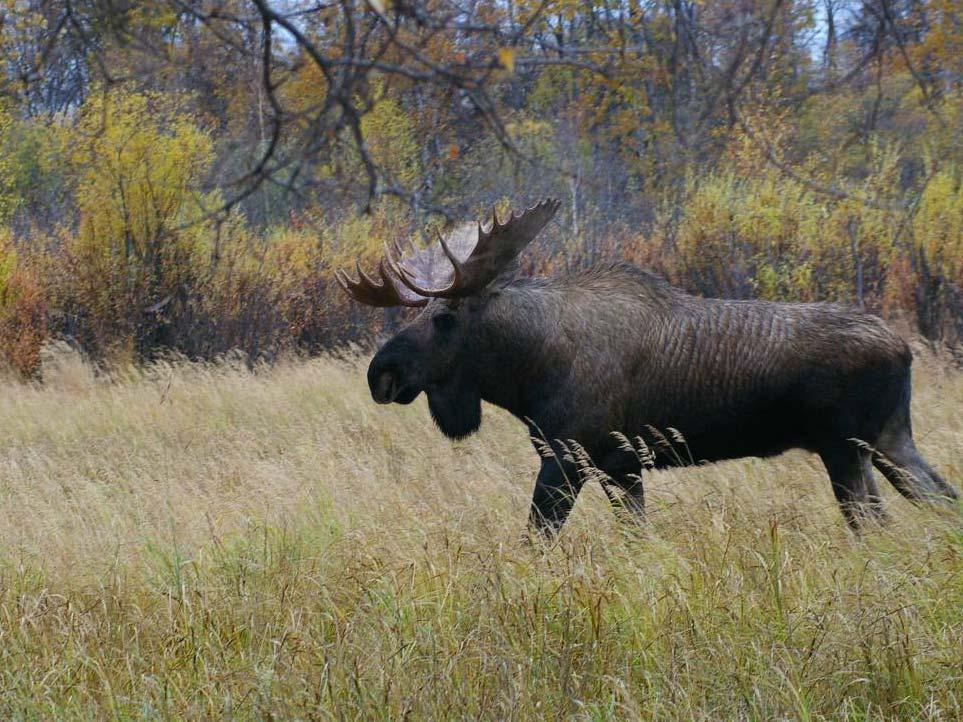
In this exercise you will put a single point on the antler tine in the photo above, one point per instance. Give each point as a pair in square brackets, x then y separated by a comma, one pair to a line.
[364, 277]
[395, 261]
[387, 256]
[455, 263]
[383, 293]
[393, 264]
[401, 292]
[342, 278]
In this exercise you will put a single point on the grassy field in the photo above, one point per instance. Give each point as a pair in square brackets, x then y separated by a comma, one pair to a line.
[186, 542]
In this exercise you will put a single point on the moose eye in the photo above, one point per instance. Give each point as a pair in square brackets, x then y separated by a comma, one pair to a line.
[444, 322]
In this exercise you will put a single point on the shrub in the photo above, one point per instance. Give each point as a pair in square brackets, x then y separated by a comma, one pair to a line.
[768, 236]
[23, 327]
[937, 231]
[137, 160]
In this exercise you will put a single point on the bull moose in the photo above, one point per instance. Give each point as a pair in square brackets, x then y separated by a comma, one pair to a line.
[616, 349]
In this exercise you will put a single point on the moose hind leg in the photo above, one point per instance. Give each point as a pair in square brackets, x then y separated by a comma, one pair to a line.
[855, 488]
[900, 462]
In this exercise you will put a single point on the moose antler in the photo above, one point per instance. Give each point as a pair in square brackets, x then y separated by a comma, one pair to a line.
[370, 292]
[460, 264]
[476, 255]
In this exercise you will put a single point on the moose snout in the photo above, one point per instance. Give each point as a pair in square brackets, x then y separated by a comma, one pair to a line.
[390, 381]
[384, 387]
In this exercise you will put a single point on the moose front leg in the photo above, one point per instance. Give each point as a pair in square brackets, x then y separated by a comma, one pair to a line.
[553, 498]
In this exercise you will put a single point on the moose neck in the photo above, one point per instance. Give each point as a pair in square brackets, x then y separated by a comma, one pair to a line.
[514, 355]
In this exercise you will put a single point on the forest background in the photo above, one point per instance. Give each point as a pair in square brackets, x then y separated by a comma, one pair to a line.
[181, 176]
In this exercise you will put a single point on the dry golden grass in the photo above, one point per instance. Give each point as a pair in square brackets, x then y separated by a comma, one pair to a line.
[199, 541]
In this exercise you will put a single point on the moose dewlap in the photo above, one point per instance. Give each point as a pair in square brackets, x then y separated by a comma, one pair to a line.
[614, 350]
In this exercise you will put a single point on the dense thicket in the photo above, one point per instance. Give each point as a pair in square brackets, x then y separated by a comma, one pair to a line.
[186, 175]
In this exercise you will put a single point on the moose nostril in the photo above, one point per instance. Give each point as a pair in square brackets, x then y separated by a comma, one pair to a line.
[384, 389]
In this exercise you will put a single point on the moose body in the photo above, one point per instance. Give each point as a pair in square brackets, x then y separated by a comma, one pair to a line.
[616, 349]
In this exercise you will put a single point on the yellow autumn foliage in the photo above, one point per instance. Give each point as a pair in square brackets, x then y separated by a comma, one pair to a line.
[768, 236]
[938, 225]
[137, 163]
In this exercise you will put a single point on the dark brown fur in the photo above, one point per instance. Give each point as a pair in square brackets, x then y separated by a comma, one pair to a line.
[617, 349]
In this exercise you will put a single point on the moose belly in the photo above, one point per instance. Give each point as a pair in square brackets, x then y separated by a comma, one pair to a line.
[700, 431]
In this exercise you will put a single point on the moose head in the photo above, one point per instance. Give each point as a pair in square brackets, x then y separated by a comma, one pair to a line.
[457, 281]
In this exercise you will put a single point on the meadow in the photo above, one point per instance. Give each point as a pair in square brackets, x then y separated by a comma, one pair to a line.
[201, 541]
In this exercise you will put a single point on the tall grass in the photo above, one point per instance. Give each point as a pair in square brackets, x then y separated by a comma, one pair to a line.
[194, 541]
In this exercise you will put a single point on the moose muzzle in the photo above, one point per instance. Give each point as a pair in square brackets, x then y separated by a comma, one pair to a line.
[390, 377]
